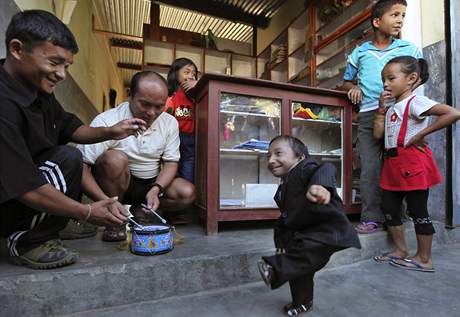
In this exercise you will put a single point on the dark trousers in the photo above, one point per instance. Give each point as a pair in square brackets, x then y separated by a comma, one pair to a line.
[26, 228]
[187, 157]
[370, 154]
[417, 201]
[298, 265]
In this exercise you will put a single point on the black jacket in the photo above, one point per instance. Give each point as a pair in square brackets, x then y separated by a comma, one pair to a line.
[302, 219]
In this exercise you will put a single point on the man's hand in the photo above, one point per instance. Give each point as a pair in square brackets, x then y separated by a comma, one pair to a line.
[106, 212]
[128, 127]
[318, 194]
[355, 95]
[188, 84]
[152, 198]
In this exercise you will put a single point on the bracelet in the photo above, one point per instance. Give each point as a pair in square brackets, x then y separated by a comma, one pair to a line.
[88, 214]
[161, 189]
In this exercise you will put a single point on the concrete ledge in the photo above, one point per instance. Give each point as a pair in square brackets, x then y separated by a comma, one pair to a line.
[105, 277]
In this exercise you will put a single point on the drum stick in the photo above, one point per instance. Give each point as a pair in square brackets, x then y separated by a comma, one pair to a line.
[134, 222]
[154, 212]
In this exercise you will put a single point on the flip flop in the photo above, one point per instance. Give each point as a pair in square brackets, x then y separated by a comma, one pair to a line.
[411, 264]
[386, 257]
[363, 227]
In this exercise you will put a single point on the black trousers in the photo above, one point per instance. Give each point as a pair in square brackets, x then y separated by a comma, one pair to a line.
[298, 266]
[417, 201]
[26, 228]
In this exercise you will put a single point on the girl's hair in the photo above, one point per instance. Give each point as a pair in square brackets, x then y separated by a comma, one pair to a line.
[411, 65]
[297, 146]
[173, 84]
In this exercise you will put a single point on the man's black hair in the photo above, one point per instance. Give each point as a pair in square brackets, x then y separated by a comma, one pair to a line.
[297, 146]
[134, 85]
[172, 74]
[33, 27]
[382, 6]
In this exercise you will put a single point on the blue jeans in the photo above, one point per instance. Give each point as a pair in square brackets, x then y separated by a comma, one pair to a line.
[187, 157]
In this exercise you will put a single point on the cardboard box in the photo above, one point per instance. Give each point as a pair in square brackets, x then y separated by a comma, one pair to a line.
[260, 195]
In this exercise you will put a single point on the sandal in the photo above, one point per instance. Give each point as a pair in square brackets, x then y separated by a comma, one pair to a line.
[304, 308]
[411, 264]
[386, 257]
[368, 227]
[114, 234]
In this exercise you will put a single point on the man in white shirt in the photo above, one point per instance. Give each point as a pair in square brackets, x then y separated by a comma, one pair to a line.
[138, 169]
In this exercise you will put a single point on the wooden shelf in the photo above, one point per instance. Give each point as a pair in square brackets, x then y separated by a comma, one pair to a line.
[346, 47]
[244, 151]
[251, 114]
[317, 120]
[162, 54]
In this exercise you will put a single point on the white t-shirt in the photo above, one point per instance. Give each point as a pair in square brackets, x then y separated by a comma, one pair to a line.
[416, 122]
[159, 141]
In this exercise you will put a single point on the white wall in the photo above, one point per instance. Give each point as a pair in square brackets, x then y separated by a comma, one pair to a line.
[433, 28]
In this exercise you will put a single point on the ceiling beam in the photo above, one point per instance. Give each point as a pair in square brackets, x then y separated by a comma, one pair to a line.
[135, 45]
[129, 66]
[219, 10]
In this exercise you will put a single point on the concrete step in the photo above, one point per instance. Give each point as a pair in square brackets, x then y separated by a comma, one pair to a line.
[365, 288]
[106, 276]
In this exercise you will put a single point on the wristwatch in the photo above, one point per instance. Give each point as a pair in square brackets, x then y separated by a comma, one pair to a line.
[161, 190]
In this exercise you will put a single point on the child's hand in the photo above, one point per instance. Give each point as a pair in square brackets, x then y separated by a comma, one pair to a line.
[418, 141]
[384, 96]
[355, 95]
[318, 194]
[188, 84]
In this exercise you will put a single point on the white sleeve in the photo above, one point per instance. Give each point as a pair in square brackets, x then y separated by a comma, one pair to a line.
[91, 152]
[420, 105]
[171, 152]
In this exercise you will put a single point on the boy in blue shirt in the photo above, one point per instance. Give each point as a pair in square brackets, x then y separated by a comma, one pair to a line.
[364, 66]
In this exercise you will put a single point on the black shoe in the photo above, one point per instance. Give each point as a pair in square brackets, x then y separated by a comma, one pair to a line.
[266, 272]
[303, 308]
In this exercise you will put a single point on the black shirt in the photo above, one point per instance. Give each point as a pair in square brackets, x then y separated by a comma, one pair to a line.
[29, 126]
[303, 219]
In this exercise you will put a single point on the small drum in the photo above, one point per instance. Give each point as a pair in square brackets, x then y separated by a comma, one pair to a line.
[151, 240]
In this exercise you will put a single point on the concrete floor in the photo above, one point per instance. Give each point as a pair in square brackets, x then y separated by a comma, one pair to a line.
[365, 288]
[217, 276]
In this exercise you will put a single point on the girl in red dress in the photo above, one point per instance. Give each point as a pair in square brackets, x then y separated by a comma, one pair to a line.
[409, 169]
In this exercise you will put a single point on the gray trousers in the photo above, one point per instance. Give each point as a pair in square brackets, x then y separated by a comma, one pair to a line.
[370, 153]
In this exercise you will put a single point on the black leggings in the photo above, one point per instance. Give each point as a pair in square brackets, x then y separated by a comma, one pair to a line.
[416, 207]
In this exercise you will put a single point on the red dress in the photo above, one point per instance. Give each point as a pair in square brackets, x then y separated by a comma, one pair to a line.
[406, 169]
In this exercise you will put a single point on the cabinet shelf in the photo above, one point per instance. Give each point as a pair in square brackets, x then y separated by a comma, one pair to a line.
[250, 114]
[244, 151]
[338, 156]
[317, 120]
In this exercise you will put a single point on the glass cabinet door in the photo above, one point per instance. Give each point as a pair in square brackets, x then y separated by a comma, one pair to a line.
[246, 126]
[320, 128]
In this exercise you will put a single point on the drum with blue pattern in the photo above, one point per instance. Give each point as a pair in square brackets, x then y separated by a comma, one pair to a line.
[151, 240]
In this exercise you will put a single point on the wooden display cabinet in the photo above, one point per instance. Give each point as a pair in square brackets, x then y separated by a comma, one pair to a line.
[232, 179]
